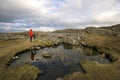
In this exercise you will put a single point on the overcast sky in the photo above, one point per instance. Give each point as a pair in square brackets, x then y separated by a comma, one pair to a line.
[49, 15]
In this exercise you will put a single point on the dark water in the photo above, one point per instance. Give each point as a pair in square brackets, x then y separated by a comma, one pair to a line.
[65, 59]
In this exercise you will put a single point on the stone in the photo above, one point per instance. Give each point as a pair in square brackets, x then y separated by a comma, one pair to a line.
[83, 43]
[37, 47]
[103, 55]
[46, 55]
[15, 57]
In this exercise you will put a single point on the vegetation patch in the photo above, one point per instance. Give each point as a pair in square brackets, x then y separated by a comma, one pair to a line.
[94, 70]
[10, 49]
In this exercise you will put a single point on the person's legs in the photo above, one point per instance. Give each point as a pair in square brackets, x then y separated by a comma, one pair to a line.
[34, 36]
[30, 39]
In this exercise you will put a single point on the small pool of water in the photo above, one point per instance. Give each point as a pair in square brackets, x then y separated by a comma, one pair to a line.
[65, 59]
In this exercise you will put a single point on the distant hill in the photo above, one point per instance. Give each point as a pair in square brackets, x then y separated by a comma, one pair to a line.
[114, 27]
[110, 30]
[68, 31]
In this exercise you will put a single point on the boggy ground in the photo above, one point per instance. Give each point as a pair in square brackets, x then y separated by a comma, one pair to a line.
[96, 71]
[99, 44]
[7, 50]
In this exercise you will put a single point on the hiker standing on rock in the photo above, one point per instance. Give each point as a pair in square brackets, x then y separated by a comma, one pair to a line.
[31, 34]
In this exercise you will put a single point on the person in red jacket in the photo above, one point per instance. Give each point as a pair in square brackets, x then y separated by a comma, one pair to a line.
[31, 34]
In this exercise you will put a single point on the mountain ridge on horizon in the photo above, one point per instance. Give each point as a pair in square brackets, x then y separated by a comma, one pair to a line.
[71, 29]
[117, 26]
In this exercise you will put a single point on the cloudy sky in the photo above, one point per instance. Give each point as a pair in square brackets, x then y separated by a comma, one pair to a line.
[49, 15]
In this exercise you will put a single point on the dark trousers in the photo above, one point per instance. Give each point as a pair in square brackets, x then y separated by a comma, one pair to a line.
[31, 39]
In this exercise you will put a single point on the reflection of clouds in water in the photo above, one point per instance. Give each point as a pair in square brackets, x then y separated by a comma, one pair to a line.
[62, 62]
[59, 55]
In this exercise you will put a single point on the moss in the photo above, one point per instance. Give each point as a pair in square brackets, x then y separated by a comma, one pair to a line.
[25, 72]
[78, 76]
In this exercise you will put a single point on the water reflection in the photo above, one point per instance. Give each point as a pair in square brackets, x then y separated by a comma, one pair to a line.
[67, 46]
[33, 53]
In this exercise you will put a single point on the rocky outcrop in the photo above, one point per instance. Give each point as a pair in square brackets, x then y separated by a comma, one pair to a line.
[60, 36]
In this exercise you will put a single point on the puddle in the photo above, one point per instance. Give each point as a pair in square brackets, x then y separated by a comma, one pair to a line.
[65, 59]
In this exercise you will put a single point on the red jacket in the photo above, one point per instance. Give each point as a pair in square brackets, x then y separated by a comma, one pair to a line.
[30, 33]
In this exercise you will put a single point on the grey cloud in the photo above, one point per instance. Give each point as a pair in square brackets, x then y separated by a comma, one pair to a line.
[20, 14]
